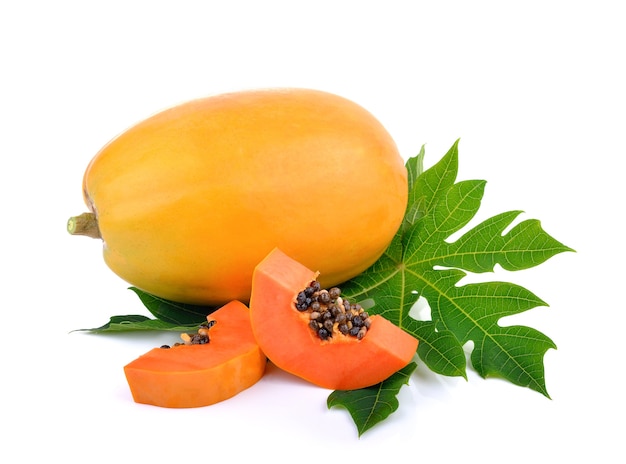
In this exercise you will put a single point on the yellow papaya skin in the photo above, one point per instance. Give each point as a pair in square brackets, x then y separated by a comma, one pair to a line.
[190, 200]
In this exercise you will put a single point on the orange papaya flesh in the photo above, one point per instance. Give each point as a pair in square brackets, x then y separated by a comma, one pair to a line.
[338, 362]
[200, 374]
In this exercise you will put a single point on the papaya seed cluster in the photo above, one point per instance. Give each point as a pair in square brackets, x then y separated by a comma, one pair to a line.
[331, 314]
[201, 337]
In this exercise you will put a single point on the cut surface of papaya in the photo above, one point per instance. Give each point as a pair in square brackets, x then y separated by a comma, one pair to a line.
[335, 360]
[200, 374]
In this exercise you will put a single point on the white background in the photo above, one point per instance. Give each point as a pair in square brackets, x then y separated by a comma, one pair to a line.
[535, 92]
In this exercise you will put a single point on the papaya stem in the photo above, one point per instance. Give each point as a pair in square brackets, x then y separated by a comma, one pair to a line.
[84, 224]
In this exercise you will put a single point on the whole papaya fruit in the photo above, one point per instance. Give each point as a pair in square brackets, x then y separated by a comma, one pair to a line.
[190, 200]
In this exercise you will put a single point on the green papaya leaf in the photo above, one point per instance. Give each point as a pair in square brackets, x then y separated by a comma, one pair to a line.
[371, 405]
[135, 323]
[172, 312]
[438, 348]
[422, 262]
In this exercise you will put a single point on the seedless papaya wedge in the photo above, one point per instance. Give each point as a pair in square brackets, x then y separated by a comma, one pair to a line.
[295, 334]
[188, 201]
[222, 365]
